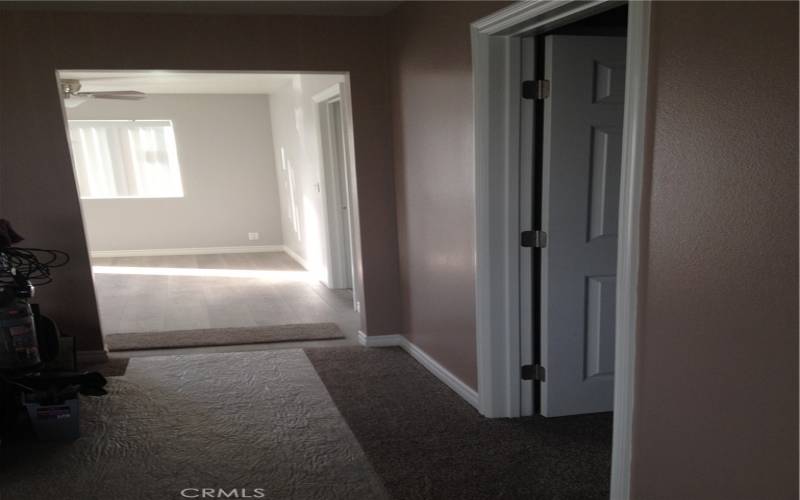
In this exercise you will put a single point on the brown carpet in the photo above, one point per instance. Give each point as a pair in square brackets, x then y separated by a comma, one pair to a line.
[222, 336]
[425, 442]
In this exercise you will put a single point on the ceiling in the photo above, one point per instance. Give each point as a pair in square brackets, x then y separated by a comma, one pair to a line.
[179, 82]
[265, 7]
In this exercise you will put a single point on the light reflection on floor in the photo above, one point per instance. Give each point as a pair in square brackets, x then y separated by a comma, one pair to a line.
[272, 275]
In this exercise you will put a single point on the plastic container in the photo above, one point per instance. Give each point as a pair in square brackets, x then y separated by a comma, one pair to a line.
[54, 422]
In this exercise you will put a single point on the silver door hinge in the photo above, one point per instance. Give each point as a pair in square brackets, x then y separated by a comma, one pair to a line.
[533, 239]
[536, 89]
[533, 372]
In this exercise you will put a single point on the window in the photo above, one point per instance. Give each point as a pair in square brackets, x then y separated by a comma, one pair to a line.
[125, 159]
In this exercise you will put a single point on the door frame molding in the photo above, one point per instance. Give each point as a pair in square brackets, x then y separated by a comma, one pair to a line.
[336, 277]
[497, 73]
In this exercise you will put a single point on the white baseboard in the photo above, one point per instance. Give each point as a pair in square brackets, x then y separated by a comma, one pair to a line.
[92, 357]
[469, 394]
[291, 253]
[380, 340]
[157, 252]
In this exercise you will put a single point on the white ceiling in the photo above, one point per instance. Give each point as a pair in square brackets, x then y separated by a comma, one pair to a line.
[179, 82]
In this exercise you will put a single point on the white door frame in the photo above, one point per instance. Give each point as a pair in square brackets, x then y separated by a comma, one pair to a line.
[338, 274]
[497, 74]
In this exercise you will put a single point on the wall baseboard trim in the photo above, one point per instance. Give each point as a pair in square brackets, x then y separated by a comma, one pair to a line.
[466, 392]
[92, 357]
[291, 253]
[157, 252]
[380, 340]
[469, 394]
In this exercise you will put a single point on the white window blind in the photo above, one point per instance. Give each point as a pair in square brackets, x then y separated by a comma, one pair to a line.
[125, 159]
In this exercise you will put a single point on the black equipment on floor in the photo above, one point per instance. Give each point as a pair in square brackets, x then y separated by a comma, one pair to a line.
[38, 366]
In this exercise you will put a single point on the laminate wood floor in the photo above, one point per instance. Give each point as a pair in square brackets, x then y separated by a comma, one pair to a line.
[147, 294]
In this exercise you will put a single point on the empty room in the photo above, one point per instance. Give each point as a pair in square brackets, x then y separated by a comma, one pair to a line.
[203, 201]
[399, 250]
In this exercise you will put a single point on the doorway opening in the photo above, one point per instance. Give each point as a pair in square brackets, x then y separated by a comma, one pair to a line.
[203, 197]
[560, 101]
[337, 183]
[574, 202]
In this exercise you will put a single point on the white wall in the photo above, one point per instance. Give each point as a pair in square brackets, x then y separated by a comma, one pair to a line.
[227, 166]
[298, 164]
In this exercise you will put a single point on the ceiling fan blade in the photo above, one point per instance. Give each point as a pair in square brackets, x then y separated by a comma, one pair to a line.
[121, 97]
[115, 94]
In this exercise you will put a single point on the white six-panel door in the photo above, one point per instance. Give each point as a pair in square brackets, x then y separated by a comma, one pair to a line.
[582, 140]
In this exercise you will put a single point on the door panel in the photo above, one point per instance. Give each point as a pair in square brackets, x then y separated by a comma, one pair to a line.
[343, 194]
[600, 302]
[604, 196]
[581, 157]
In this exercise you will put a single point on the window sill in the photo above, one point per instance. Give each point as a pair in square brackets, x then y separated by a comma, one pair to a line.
[131, 197]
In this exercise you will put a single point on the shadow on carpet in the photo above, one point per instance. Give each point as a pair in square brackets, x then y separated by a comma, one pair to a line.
[223, 336]
[425, 442]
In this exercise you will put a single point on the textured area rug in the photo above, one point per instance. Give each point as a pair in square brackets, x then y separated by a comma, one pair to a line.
[223, 336]
[113, 367]
[255, 421]
[427, 443]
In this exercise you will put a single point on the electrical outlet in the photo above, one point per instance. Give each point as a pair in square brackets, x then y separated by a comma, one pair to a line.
[252, 236]
[358, 306]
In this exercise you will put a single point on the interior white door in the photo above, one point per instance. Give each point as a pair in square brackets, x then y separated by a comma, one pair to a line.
[581, 148]
[342, 194]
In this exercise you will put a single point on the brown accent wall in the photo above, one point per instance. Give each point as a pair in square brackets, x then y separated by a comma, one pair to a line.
[431, 75]
[37, 189]
[716, 409]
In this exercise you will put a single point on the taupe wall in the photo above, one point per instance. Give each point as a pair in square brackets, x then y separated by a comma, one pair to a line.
[224, 145]
[434, 169]
[296, 133]
[716, 381]
[37, 190]
[716, 403]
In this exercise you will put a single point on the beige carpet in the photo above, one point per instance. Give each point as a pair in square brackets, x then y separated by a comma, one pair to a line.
[259, 424]
[223, 336]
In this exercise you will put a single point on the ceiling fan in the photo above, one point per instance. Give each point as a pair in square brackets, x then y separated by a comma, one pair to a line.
[70, 89]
